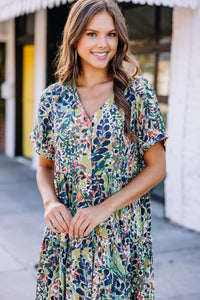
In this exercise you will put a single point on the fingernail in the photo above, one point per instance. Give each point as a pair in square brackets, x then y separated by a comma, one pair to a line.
[70, 234]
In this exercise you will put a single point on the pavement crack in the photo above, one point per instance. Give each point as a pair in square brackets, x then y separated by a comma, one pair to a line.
[9, 262]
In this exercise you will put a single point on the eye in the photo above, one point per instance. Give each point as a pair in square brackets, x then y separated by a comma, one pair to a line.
[91, 34]
[112, 34]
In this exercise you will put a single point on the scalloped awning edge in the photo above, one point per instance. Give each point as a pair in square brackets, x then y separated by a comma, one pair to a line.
[14, 8]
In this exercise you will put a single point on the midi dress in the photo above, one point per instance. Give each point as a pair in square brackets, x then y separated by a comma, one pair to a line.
[94, 159]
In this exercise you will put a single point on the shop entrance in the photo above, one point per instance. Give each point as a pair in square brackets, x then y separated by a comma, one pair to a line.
[24, 83]
[27, 98]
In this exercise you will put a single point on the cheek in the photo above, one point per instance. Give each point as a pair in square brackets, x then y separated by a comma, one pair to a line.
[80, 45]
[114, 45]
[84, 46]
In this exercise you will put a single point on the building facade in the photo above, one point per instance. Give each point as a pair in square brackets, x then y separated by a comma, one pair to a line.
[164, 38]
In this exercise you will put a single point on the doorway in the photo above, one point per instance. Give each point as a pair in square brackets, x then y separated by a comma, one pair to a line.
[24, 27]
[27, 98]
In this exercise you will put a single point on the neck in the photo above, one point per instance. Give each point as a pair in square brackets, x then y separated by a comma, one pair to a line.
[91, 78]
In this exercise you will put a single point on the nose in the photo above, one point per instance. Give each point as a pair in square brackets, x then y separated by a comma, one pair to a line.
[102, 43]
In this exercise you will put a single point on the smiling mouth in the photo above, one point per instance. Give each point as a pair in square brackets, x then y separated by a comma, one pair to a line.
[100, 55]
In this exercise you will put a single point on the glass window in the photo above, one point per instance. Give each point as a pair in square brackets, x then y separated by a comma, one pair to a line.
[150, 31]
[30, 24]
[140, 23]
[25, 25]
[163, 75]
[147, 65]
[165, 25]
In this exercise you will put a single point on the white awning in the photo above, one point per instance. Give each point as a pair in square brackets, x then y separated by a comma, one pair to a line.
[171, 3]
[13, 8]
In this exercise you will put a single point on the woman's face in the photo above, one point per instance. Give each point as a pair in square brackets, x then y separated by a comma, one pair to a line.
[99, 42]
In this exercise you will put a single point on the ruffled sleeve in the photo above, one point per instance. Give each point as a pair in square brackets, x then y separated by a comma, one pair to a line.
[150, 127]
[43, 132]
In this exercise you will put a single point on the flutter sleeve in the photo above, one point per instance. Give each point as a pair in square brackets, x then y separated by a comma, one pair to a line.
[43, 132]
[150, 126]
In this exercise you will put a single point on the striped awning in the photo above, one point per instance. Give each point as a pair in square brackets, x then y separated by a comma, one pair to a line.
[13, 8]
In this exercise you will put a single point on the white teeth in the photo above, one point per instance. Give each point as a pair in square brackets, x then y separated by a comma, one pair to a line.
[100, 54]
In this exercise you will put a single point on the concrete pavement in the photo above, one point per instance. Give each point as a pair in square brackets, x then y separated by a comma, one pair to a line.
[176, 250]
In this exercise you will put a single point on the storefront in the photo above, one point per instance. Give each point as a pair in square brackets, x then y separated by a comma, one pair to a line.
[150, 32]
[164, 36]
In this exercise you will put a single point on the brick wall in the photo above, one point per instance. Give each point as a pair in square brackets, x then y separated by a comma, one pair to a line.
[183, 147]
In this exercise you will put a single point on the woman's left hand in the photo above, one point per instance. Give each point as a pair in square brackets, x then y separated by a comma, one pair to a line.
[86, 219]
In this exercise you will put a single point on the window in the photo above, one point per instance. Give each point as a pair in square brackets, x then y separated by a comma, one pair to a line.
[150, 31]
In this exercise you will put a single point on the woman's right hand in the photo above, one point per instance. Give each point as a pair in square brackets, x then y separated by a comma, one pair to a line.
[57, 217]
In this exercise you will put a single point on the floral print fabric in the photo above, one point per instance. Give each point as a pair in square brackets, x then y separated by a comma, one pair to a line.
[94, 160]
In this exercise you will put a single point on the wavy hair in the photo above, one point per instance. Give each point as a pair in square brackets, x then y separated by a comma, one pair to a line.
[69, 68]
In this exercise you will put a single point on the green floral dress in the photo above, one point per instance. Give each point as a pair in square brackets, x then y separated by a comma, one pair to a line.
[94, 160]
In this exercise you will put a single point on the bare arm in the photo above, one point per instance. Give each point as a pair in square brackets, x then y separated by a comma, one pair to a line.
[87, 219]
[57, 216]
[45, 180]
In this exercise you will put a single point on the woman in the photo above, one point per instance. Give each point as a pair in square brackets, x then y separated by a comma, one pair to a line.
[101, 138]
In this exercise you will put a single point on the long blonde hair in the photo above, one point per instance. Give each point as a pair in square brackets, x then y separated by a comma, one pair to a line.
[69, 68]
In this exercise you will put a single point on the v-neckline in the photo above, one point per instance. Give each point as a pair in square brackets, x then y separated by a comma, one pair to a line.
[82, 106]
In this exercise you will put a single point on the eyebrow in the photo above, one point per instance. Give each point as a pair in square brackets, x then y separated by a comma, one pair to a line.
[97, 30]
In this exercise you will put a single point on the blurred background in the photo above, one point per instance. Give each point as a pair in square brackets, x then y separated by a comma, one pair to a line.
[164, 37]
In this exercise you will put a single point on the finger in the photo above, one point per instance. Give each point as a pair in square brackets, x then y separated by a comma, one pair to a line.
[88, 230]
[83, 228]
[67, 217]
[77, 226]
[52, 221]
[56, 224]
[50, 226]
[72, 225]
[61, 222]
[71, 228]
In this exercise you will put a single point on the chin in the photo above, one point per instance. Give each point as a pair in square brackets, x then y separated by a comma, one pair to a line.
[101, 65]
[96, 65]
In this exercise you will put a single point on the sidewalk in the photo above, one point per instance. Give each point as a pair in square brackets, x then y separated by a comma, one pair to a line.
[176, 250]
